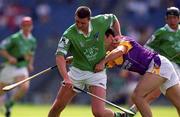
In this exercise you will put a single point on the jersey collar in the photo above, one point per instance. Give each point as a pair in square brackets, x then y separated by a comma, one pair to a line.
[89, 30]
[170, 29]
[29, 36]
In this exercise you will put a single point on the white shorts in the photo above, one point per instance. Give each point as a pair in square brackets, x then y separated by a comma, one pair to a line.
[167, 71]
[9, 72]
[82, 78]
[177, 68]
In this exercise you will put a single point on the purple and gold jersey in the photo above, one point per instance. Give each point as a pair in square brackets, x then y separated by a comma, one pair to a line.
[137, 58]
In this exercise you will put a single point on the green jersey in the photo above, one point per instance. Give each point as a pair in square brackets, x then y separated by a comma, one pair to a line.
[167, 43]
[87, 50]
[17, 46]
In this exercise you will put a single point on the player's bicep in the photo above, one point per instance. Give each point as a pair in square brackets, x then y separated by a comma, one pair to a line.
[63, 46]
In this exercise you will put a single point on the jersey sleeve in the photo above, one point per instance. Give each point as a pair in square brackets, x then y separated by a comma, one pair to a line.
[119, 60]
[127, 44]
[106, 19]
[154, 41]
[6, 43]
[63, 46]
[111, 18]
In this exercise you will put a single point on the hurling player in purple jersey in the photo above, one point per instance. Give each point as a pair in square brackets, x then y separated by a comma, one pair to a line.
[156, 70]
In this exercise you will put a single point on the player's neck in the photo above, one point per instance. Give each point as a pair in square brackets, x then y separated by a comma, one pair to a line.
[86, 31]
[26, 34]
[174, 27]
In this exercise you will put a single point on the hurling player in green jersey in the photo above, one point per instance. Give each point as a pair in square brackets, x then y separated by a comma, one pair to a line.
[166, 40]
[17, 51]
[84, 40]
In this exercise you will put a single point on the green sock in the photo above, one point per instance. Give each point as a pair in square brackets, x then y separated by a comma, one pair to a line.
[117, 114]
[9, 104]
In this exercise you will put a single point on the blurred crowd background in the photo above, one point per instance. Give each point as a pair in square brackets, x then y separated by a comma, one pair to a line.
[138, 18]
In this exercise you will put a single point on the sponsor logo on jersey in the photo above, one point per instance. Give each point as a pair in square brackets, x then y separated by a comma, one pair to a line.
[63, 41]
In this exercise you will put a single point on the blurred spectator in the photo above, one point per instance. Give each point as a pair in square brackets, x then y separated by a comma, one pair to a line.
[43, 11]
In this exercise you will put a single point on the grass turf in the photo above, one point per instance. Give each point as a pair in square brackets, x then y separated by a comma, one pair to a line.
[25, 110]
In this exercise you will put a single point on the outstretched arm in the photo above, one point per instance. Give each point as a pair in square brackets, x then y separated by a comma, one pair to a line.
[5, 54]
[114, 54]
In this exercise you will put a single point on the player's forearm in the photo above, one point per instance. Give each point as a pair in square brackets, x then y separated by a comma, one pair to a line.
[31, 61]
[61, 63]
[112, 56]
[5, 54]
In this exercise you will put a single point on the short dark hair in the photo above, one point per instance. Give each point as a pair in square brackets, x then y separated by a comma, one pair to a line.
[83, 12]
[110, 31]
[174, 11]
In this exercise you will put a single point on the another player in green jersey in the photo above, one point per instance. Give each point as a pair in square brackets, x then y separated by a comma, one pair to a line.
[17, 51]
[85, 41]
[166, 40]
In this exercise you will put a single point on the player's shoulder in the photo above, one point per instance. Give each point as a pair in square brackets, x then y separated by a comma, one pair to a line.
[161, 30]
[71, 30]
[102, 17]
[14, 36]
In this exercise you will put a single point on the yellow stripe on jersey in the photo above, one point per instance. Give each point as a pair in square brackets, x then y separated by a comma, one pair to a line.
[127, 44]
[115, 62]
[119, 60]
[156, 71]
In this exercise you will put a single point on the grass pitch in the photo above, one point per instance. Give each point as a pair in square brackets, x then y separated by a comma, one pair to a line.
[25, 110]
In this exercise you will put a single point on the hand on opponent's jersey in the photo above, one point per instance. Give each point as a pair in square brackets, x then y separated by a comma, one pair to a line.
[100, 66]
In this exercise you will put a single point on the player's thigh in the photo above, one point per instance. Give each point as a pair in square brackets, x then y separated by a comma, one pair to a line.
[97, 105]
[148, 83]
[173, 94]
